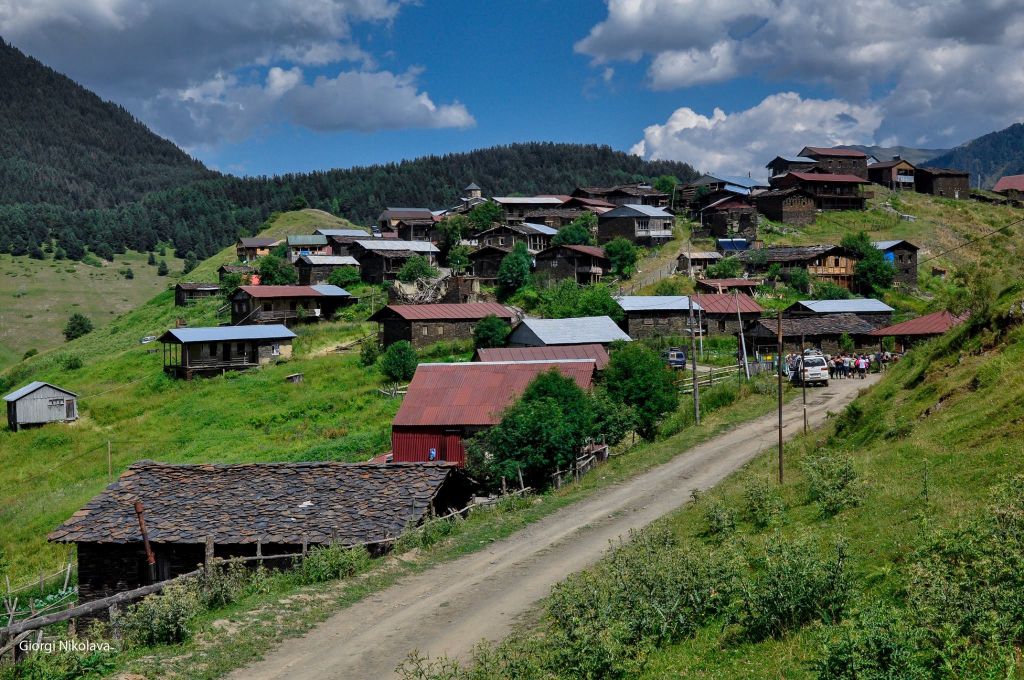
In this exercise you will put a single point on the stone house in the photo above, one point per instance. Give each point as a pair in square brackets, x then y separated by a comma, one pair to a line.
[642, 224]
[902, 255]
[943, 182]
[658, 316]
[424, 325]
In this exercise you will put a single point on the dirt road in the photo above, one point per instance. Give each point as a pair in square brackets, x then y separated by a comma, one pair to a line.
[449, 608]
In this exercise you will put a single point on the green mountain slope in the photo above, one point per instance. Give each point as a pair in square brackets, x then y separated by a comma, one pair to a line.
[61, 144]
[908, 153]
[988, 157]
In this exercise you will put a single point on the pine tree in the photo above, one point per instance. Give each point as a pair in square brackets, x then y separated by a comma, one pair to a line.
[162, 270]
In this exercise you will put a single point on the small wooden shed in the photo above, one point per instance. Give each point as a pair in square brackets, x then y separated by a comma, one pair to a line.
[39, 403]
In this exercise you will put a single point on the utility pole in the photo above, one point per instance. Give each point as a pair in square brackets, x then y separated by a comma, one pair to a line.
[693, 364]
[803, 383]
[779, 322]
[743, 341]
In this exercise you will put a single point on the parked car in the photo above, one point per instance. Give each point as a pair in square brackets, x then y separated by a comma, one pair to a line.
[675, 357]
[814, 370]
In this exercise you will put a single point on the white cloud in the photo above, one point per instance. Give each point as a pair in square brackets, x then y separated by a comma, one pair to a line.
[744, 141]
[940, 71]
[206, 71]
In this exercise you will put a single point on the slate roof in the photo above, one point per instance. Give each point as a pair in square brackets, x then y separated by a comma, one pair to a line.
[556, 353]
[466, 311]
[1010, 182]
[725, 303]
[406, 214]
[935, 323]
[793, 159]
[322, 290]
[574, 331]
[656, 303]
[396, 244]
[947, 172]
[787, 253]
[237, 269]
[472, 186]
[825, 178]
[827, 151]
[629, 189]
[258, 242]
[272, 502]
[32, 387]
[702, 255]
[886, 245]
[810, 326]
[307, 240]
[476, 393]
[634, 210]
[555, 212]
[330, 260]
[852, 306]
[728, 202]
[227, 333]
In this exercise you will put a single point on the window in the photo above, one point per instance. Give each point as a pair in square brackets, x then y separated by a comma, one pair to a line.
[212, 349]
[275, 349]
[425, 331]
[59, 401]
[643, 225]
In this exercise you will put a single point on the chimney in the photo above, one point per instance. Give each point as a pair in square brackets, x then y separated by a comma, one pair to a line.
[897, 157]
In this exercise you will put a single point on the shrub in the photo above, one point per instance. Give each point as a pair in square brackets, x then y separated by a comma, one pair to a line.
[328, 563]
[726, 268]
[77, 326]
[613, 420]
[579, 232]
[369, 352]
[568, 299]
[29, 353]
[344, 276]
[427, 534]
[762, 503]
[636, 376]
[792, 585]
[719, 517]
[831, 481]
[398, 362]
[161, 619]
[490, 331]
[222, 584]
[881, 643]
[623, 255]
[71, 362]
[417, 267]
[514, 271]
[276, 271]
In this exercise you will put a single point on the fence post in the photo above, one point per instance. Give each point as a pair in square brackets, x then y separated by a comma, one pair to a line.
[208, 554]
[259, 547]
[305, 545]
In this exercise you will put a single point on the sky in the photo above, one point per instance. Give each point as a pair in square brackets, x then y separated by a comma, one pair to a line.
[273, 86]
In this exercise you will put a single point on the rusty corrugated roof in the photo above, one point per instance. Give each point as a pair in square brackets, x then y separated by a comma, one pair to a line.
[476, 393]
[725, 303]
[1014, 182]
[935, 323]
[551, 353]
[465, 311]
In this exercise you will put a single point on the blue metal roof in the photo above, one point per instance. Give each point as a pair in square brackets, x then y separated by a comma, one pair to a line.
[735, 188]
[328, 290]
[32, 387]
[733, 244]
[228, 333]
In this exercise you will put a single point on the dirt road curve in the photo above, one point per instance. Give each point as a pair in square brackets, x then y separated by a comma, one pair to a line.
[447, 609]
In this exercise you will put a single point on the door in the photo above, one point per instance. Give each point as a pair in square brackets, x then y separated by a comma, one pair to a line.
[225, 351]
[69, 405]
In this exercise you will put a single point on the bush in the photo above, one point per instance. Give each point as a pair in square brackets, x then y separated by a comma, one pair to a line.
[826, 290]
[398, 362]
[880, 644]
[792, 586]
[29, 353]
[276, 271]
[567, 299]
[427, 534]
[223, 583]
[726, 268]
[636, 376]
[514, 271]
[762, 503]
[490, 331]
[77, 326]
[579, 232]
[128, 273]
[719, 517]
[344, 276]
[417, 267]
[613, 420]
[71, 362]
[369, 352]
[831, 481]
[623, 255]
[328, 563]
[161, 619]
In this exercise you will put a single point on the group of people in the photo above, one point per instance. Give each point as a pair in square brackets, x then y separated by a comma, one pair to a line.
[848, 365]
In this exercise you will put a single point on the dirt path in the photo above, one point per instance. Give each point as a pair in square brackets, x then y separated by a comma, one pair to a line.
[450, 607]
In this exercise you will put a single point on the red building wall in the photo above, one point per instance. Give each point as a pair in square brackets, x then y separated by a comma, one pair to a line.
[413, 444]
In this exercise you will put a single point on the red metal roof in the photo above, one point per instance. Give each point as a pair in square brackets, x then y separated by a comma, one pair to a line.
[935, 323]
[827, 151]
[475, 393]
[1015, 182]
[438, 312]
[826, 177]
[280, 291]
[725, 303]
[594, 251]
[555, 352]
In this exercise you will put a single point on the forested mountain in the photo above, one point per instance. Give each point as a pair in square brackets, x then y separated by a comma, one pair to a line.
[990, 156]
[61, 144]
[206, 215]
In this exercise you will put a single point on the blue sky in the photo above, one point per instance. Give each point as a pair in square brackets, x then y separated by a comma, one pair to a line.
[297, 85]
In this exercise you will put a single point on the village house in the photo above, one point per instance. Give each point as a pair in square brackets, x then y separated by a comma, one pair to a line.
[381, 259]
[286, 304]
[39, 403]
[830, 191]
[248, 273]
[314, 269]
[340, 240]
[553, 353]
[554, 217]
[187, 293]
[583, 264]
[838, 161]
[730, 216]
[824, 332]
[823, 262]
[642, 224]
[515, 208]
[908, 333]
[593, 205]
[638, 193]
[448, 403]
[726, 313]
[875, 312]
[1011, 186]
[902, 255]
[389, 219]
[536, 237]
[894, 174]
[424, 325]
[708, 189]
[250, 249]
[728, 285]
[418, 230]
[658, 316]
[694, 262]
[306, 244]
[196, 513]
[780, 165]
[943, 182]
[485, 262]
[794, 206]
[208, 351]
[600, 330]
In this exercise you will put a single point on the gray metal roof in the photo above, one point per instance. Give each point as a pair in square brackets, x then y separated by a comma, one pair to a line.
[541, 228]
[32, 387]
[532, 200]
[307, 240]
[574, 331]
[395, 244]
[328, 290]
[228, 333]
[358, 233]
[886, 245]
[630, 209]
[655, 303]
[330, 259]
[855, 306]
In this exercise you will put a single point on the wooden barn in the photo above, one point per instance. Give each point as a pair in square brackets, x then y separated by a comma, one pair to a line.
[380, 260]
[515, 208]
[447, 403]
[39, 403]
[780, 165]
[485, 262]
[314, 269]
[389, 219]
[287, 304]
[943, 182]
[642, 224]
[824, 262]
[188, 293]
[583, 264]
[637, 193]
[424, 325]
[830, 191]
[908, 333]
[658, 316]
[196, 513]
[189, 352]
[1011, 186]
